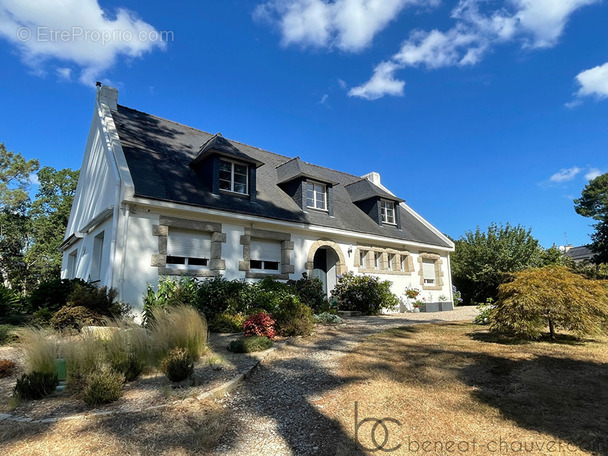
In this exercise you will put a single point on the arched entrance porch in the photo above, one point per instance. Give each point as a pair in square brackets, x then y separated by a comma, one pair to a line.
[326, 261]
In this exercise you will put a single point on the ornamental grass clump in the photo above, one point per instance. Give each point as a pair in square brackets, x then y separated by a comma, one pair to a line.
[128, 349]
[178, 327]
[35, 385]
[551, 297]
[41, 349]
[260, 324]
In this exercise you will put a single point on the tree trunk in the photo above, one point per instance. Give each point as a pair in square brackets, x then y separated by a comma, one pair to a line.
[551, 330]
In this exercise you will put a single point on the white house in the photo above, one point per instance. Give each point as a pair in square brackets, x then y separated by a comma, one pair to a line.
[156, 198]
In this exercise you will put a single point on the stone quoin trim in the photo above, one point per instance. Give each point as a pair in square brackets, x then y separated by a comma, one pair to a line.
[383, 266]
[216, 263]
[341, 267]
[438, 272]
[286, 253]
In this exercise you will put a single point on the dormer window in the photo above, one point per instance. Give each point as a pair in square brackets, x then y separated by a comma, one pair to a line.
[316, 196]
[387, 209]
[233, 177]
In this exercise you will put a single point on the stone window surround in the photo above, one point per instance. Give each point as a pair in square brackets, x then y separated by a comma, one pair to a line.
[409, 262]
[438, 272]
[216, 263]
[286, 249]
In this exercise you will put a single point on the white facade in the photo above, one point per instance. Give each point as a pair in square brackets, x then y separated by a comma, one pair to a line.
[119, 240]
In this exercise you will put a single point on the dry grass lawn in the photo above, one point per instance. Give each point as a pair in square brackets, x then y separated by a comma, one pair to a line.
[182, 430]
[462, 391]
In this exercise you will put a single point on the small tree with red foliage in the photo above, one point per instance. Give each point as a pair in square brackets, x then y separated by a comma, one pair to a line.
[260, 324]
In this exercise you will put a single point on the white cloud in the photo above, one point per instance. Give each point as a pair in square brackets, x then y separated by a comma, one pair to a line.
[77, 32]
[545, 20]
[565, 175]
[323, 99]
[382, 83]
[34, 179]
[478, 27]
[593, 173]
[349, 25]
[64, 74]
[593, 82]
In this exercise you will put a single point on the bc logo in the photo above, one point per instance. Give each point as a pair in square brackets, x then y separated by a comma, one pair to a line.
[379, 446]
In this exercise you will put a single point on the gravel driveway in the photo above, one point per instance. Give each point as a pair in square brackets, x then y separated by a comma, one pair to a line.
[274, 413]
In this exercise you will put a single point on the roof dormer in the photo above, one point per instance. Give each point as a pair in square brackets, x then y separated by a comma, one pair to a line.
[307, 185]
[380, 205]
[226, 168]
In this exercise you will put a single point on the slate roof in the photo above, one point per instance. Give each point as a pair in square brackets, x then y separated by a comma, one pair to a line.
[217, 144]
[579, 253]
[158, 154]
[296, 168]
[365, 189]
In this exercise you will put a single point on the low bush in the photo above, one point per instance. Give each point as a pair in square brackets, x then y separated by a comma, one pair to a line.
[10, 306]
[227, 323]
[485, 310]
[218, 295]
[293, 318]
[7, 334]
[35, 385]
[53, 295]
[366, 294]
[260, 324]
[327, 318]
[250, 344]
[83, 355]
[102, 387]
[169, 293]
[6, 367]
[310, 291]
[181, 327]
[74, 318]
[101, 301]
[178, 365]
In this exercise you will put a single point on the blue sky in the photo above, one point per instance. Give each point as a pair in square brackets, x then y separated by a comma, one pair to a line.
[473, 111]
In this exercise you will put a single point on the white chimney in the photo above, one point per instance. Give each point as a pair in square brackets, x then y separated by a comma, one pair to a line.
[109, 96]
[373, 177]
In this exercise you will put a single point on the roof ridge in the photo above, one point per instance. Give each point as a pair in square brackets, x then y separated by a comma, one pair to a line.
[241, 143]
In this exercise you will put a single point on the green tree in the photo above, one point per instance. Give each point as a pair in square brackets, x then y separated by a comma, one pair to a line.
[593, 203]
[551, 297]
[15, 174]
[483, 259]
[49, 214]
[31, 232]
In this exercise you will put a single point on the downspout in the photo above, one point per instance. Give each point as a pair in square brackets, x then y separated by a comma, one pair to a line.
[450, 275]
[124, 249]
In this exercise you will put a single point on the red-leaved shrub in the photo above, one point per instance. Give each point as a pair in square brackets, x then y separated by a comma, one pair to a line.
[260, 324]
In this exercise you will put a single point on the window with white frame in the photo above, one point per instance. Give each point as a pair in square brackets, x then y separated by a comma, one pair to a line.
[402, 263]
[265, 255]
[428, 272]
[95, 273]
[234, 177]
[188, 248]
[71, 272]
[362, 255]
[388, 212]
[377, 259]
[316, 195]
[391, 260]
